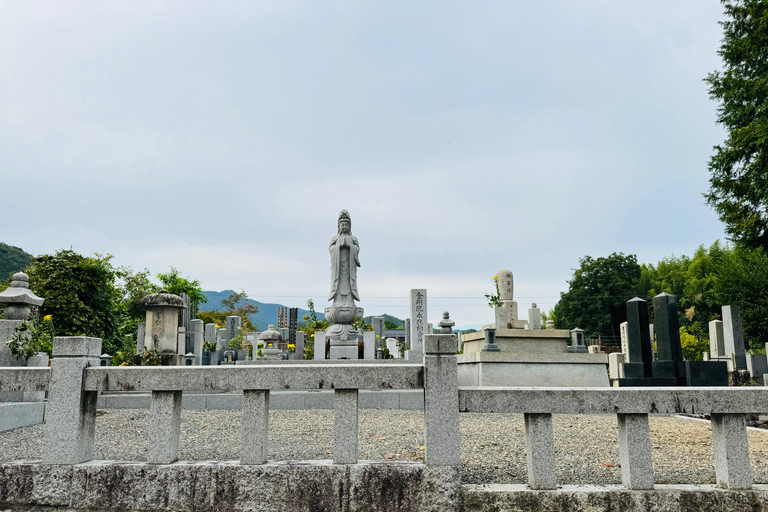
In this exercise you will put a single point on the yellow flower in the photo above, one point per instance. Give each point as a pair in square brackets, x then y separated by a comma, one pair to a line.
[290, 345]
[495, 277]
[47, 317]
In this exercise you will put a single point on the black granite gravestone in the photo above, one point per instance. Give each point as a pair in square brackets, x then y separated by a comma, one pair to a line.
[667, 328]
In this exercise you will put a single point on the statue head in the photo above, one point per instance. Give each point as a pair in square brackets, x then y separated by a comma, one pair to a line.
[345, 222]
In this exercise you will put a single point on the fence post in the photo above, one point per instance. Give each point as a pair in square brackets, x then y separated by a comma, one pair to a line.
[441, 400]
[540, 451]
[635, 451]
[731, 451]
[70, 414]
[345, 426]
[255, 426]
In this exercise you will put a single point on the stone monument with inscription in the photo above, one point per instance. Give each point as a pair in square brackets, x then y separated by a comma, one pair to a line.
[345, 250]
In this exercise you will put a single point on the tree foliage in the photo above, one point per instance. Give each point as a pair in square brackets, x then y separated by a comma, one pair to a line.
[739, 167]
[81, 294]
[597, 294]
[743, 280]
[12, 260]
[237, 305]
[176, 284]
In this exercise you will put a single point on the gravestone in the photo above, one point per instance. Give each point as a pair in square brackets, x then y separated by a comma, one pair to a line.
[615, 362]
[319, 346]
[506, 315]
[378, 323]
[298, 353]
[162, 326]
[418, 324]
[293, 324]
[140, 333]
[624, 341]
[391, 344]
[407, 332]
[638, 346]
[210, 333]
[198, 336]
[222, 341]
[369, 344]
[757, 365]
[667, 329]
[234, 323]
[534, 317]
[733, 335]
[716, 339]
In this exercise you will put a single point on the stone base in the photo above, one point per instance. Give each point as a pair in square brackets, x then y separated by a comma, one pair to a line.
[208, 486]
[663, 498]
[555, 370]
[527, 341]
[344, 351]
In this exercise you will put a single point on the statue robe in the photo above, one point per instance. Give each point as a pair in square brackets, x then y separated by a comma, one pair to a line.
[344, 263]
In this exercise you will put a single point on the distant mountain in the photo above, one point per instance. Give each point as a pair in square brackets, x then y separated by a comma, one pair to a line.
[399, 323]
[12, 260]
[267, 311]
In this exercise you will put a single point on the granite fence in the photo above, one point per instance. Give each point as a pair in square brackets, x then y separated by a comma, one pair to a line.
[68, 478]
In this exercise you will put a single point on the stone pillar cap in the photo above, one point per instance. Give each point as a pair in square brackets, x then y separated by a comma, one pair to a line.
[163, 299]
[446, 323]
[19, 292]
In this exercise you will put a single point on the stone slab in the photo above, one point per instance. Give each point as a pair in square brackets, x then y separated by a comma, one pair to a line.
[611, 498]
[706, 373]
[418, 324]
[294, 376]
[528, 373]
[21, 414]
[733, 335]
[641, 400]
[344, 352]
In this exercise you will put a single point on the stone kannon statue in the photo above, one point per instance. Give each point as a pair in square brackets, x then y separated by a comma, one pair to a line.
[345, 250]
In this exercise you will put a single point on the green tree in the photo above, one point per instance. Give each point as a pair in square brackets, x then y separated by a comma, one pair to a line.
[237, 305]
[739, 167]
[743, 281]
[597, 295]
[81, 294]
[176, 284]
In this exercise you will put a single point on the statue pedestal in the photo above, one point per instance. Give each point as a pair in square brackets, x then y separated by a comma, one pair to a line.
[344, 351]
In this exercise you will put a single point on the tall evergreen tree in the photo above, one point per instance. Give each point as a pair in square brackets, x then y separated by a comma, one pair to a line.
[739, 167]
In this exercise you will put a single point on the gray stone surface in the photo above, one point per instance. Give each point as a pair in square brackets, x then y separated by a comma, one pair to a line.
[299, 352]
[716, 339]
[217, 486]
[504, 316]
[319, 354]
[418, 324]
[540, 451]
[345, 426]
[733, 335]
[21, 414]
[39, 360]
[162, 321]
[615, 361]
[443, 438]
[757, 365]
[731, 451]
[210, 333]
[71, 411]
[24, 379]
[198, 338]
[635, 451]
[662, 400]
[234, 323]
[255, 426]
[664, 498]
[165, 427]
[378, 323]
[141, 333]
[534, 317]
[407, 332]
[527, 341]
[369, 338]
[550, 370]
[344, 351]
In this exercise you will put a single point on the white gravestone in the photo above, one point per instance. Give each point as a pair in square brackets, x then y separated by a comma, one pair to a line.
[418, 324]
[392, 347]
[624, 341]
[534, 317]
[319, 345]
[716, 339]
[369, 344]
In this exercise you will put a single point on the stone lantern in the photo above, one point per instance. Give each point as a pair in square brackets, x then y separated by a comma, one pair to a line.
[446, 324]
[18, 297]
[270, 340]
[163, 325]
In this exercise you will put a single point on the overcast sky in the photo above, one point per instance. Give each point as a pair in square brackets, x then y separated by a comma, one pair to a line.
[223, 138]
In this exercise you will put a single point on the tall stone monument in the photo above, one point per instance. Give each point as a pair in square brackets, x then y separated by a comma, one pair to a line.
[506, 314]
[418, 324]
[162, 325]
[670, 363]
[345, 250]
[733, 336]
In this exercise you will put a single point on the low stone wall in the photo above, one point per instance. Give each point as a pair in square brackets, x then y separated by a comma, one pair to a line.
[229, 486]
[571, 498]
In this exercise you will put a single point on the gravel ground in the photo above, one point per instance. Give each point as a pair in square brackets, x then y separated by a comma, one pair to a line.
[492, 446]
